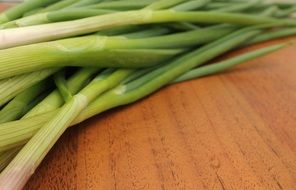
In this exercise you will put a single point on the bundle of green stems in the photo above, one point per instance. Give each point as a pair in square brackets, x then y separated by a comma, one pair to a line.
[64, 61]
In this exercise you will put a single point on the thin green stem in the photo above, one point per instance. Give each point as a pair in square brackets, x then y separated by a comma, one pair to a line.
[286, 12]
[191, 5]
[10, 87]
[54, 100]
[82, 3]
[121, 5]
[153, 31]
[53, 31]
[273, 35]
[16, 107]
[239, 7]
[164, 4]
[55, 16]
[61, 84]
[226, 64]
[58, 5]
[18, 10]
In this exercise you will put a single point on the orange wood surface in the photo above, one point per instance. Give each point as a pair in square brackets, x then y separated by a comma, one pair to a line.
[235, 130]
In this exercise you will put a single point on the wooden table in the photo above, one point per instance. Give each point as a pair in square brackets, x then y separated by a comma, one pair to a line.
[236, 130]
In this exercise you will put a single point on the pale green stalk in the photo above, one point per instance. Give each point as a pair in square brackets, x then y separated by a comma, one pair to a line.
[55, 16]
[35, 11]
[188, 6]
[86, 54]
[271, 11]
[273, 35]
[61, 84]
[177, 40]
[191, 5]
[153, 31]
[164, 4]
[95, 50]
[20, 169]
[116, 31]
[286, 12]
[54, 100]
[227, 64]
[17, 106]
[20, 131]
[58, 5]
[27, 127]
[240, 7]
[28, 159]
[122, 5]
[127, 93]
[184, 26]
[53, 31]
[82, 3]
[219, 5]
[18, 10]
[10, 87]
[134, 90]
[282, 5]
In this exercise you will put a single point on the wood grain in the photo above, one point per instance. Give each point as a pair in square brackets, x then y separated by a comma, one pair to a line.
[235, 130]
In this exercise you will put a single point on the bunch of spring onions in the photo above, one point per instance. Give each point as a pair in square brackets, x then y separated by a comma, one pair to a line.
[64, 61]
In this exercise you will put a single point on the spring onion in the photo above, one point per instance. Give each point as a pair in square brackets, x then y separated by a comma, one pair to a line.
[33, 34]
[18, 10]
[62, 62]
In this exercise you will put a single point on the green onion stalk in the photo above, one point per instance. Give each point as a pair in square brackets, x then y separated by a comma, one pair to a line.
[30, 126]
[82, 3]
[227, 64]
[55, 16]
[270, 35]
[94, 50]
[122, 5]
[218, 5]
[152, 32]
[191, 5]
[117, 31]
[54, 100]
[58, 5]
[283, 5]
[10, 87]
[125, 53]
[57, 125]
[53, 31]
[152, 81]
[61, 84]
[19, 10]
[240, 7]
[164, 4]
[35, 150]
[286, 12]
[79, 80]
[21, 103]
